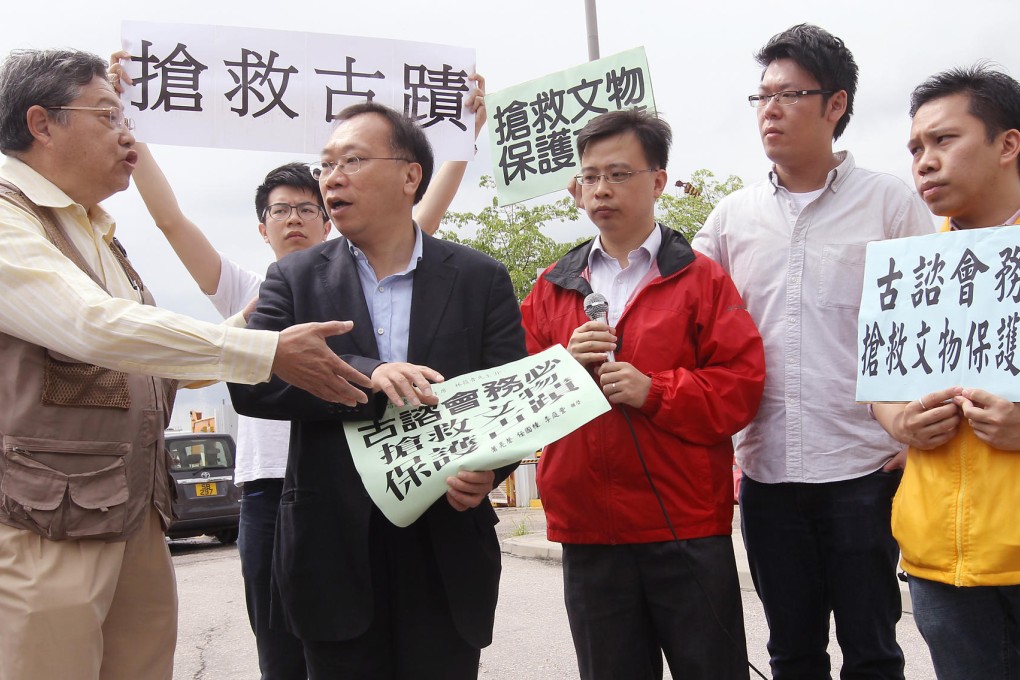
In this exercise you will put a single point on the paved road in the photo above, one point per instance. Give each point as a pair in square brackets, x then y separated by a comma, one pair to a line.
[532, 641]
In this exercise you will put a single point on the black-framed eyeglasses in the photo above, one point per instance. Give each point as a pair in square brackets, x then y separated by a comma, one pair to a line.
[614, 177]
[116, 115]
[282, 211]
[349, 165]
[785, 98]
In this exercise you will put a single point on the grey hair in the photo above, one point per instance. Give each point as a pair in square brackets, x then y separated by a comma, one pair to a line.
[45, 78]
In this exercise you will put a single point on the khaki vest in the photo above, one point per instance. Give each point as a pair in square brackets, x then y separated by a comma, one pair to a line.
[83, 452]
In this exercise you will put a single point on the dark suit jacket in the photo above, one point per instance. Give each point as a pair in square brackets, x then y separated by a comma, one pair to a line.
[464, 317]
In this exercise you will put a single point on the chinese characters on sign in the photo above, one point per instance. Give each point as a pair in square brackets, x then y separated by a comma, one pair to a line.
[534, 126]
[484, 420]
[939, 311]
[279, 91]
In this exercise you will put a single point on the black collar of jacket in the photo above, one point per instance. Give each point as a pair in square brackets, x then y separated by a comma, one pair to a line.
[675, 254]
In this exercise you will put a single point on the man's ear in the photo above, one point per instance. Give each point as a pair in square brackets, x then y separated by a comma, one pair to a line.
[1010, 147]
[412, 179]
[574, 189]
[836, 106]
[262, 230]
[660, 182]
[39, 123]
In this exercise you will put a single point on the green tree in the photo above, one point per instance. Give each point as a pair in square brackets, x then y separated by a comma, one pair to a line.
[687, 213]
[512, 234]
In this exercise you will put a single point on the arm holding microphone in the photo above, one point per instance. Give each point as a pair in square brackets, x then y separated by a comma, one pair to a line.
[594, 342]
[703, 398]
[593, 345]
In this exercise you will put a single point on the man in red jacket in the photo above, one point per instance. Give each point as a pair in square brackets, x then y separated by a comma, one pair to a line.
[642, 497]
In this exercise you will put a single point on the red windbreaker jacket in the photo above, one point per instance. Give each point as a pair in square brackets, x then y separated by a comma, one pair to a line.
[689, 331]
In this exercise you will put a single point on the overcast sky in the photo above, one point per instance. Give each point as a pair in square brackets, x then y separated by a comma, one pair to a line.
[699, 55]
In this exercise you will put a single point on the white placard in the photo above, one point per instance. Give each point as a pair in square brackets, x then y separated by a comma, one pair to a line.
[268, 90]
[939, 311]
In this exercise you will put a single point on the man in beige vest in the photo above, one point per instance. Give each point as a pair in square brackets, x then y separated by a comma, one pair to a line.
[87, 588]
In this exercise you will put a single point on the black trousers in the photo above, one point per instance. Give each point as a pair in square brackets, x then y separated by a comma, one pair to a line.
[628, 605]
[281, 656]
[412, 634]
[816, 549]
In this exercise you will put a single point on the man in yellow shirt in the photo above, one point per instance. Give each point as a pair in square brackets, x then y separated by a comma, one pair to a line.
[954, 515]
[86, 584]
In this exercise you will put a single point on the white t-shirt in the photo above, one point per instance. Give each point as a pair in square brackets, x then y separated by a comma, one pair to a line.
[262, 445]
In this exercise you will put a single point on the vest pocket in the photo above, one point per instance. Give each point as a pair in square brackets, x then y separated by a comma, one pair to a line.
[65, 489]
[67, 382]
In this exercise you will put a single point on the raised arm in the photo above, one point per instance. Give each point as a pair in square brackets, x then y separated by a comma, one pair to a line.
[434, 204]
[192, 247]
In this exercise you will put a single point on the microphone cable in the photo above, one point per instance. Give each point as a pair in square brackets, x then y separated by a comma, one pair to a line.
[676, 539]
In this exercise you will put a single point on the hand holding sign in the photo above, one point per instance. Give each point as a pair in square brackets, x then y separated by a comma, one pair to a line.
[468, 489]
[925, 423]
[994, 420]
[406, 383]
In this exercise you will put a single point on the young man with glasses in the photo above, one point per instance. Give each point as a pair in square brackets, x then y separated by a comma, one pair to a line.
[292, 218]
[648, 568]
[819, 472]
[87, 587]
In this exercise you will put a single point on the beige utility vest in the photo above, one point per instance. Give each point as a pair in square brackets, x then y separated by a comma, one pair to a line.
[83, 452]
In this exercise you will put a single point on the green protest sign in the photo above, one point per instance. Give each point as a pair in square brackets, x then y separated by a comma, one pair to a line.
[534, 124]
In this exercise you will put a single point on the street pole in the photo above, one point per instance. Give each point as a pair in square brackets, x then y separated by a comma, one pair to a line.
[592, 24]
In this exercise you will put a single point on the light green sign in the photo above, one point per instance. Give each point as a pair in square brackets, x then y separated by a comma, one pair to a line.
[484, 420]
[533, 126]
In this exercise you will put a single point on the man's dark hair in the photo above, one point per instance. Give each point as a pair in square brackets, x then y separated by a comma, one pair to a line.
[653, 132]
[294, 175]
[407, 139]
[40, 77]
[821, 54]
[994, 96]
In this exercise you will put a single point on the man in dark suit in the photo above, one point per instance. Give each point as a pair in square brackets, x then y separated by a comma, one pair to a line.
[368, 599]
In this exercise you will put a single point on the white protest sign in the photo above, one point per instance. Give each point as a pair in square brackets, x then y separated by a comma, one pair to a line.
[939, 311]
[260, 89]
[534, 125]
[485, 420]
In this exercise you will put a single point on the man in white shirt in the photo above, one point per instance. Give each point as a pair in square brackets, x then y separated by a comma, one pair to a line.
[819, 472]
[86, 584]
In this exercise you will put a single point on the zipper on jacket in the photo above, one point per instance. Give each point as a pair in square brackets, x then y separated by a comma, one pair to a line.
[959, 512]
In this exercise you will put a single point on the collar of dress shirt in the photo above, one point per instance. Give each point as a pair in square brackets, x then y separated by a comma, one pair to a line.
[412, 264]
[45, 193]
[650, 245]
[834, 180]
[1015, 219]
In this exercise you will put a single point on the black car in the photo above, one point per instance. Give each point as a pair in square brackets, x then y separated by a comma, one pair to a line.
[207, 502]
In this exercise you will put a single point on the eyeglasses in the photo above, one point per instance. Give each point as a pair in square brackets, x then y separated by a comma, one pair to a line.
[282, 211]
[785, 98]
[349, 165]
[117, 119]
[614, 177]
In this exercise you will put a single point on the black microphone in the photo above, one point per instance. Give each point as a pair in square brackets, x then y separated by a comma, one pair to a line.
[596, 308]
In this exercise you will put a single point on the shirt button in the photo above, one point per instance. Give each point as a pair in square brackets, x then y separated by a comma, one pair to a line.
[381, 289]
[380, 331]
